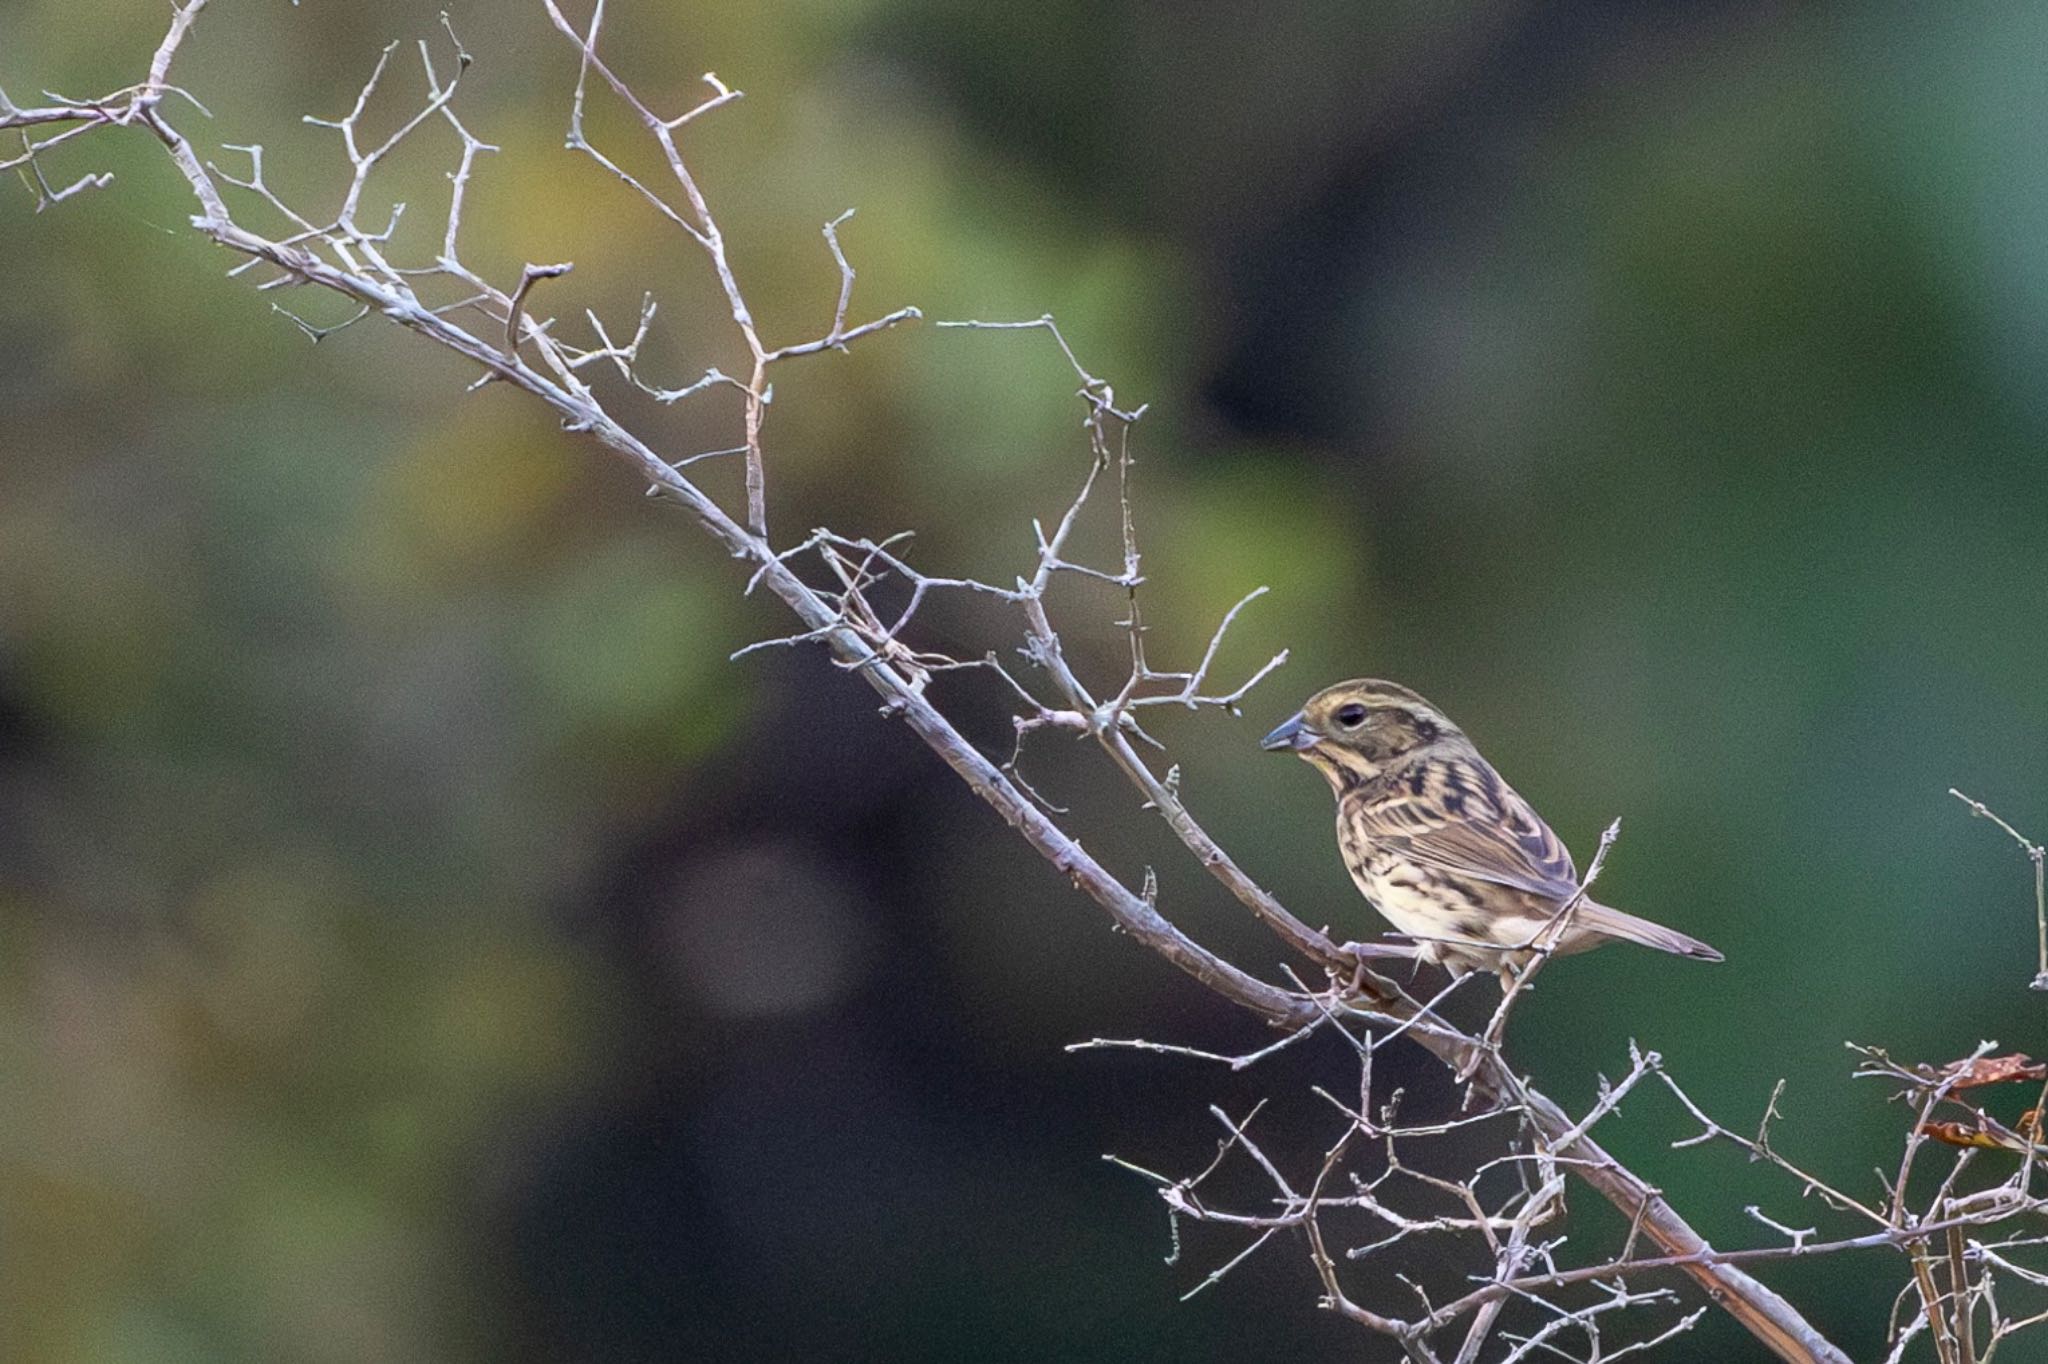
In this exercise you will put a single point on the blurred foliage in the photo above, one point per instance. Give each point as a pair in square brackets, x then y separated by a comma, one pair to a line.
[417, 942]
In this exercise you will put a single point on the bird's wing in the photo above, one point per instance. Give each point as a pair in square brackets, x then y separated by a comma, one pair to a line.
[1465, 821]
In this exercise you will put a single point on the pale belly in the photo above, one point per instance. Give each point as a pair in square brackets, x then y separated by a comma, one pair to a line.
[1459, 929]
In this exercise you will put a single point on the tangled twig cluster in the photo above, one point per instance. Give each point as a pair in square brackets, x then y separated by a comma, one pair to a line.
[1963, 1239]
[1524, 1298]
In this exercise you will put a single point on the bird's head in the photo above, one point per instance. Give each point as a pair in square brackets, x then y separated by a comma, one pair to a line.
[1351, 732]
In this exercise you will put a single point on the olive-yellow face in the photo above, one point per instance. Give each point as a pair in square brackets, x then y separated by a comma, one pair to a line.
[1352, 731]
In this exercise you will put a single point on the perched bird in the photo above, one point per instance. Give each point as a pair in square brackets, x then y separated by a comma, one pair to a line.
[1445, 849]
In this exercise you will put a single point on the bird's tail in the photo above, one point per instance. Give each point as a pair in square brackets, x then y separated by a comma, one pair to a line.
[1613, 923]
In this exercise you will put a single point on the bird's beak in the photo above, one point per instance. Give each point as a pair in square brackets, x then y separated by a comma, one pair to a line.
[1291, 737]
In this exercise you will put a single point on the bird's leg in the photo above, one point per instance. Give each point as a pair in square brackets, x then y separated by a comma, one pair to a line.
[1418, 952]
[1381, 950]
[1360, 980]
[1363, 954]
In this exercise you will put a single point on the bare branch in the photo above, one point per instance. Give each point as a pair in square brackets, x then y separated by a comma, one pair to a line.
[2038, 855]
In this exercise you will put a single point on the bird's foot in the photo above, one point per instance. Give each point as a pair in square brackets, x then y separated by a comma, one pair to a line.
[1379, 951]
[1362, 956]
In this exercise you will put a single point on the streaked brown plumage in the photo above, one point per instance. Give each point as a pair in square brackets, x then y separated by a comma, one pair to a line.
[1449, 853]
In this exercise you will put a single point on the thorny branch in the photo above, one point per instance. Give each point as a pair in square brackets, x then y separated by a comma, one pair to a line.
[1525, 1299]
[1959, 1249]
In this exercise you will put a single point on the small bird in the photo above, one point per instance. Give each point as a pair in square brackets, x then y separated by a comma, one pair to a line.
[1444, 849]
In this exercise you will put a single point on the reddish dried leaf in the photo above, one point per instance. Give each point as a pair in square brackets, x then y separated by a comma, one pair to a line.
[1989, 1070]
[1961, 1134]
[1986, 1134]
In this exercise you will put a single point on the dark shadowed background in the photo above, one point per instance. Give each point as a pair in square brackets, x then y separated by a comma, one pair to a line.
[418, 942]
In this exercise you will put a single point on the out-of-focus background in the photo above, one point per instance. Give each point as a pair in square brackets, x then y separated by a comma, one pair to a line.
[417, 941]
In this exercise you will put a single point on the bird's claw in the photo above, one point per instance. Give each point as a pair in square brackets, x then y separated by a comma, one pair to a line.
[1372, 951]
[1360, 958]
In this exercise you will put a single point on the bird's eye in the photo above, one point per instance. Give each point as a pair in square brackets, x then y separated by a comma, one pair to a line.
[1351, 716]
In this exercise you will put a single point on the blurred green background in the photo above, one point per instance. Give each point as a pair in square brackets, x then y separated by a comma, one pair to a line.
[418, 942]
